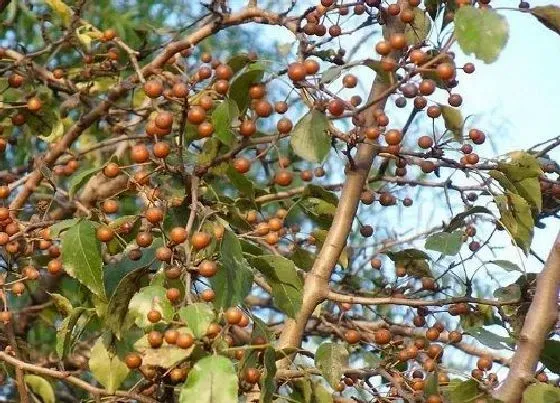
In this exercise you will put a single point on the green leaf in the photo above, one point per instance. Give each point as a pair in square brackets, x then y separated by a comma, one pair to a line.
[407, 254]
[491, 339]
[459, 220]
[550, 356]
[481, 31]
[431, 383]
[302, 258]
[320, 393]
[516, 217]
[238, 61]
[71, 329]
[541, 392]
[462, 391]
[453, 120]
[79, 179]
[508, 293]
[40, 387]
[321, 193]
[106, 366]
[504, 264]
[62, 303]
[420, 28]
[232, 283]
[148, 298]
[116, 271]
[119, 301]
[310, 139]
[212, 380]
[286, 282]
[198, 317]
[61, 226]
[449, 244]
[166, 356]
[331, 74]
[81, 256]
[222, 117]
[331, 359]
[549, 16]
[382, 76]
[241, 182]
[320, 211]
[522, 172]
[239, 90]
[268, 384]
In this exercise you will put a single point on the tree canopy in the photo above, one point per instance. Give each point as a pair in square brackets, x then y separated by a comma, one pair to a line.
[227, 202]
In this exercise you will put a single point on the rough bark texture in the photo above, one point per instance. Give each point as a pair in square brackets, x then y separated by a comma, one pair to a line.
[541, 317]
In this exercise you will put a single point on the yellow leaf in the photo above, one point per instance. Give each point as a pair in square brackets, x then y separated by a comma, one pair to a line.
[63, 10]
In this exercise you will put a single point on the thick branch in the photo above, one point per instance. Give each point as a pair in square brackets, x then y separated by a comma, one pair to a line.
[542, 316]
[316, 285]
[353, 299]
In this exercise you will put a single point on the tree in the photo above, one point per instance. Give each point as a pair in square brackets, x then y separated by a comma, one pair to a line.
[186, 219]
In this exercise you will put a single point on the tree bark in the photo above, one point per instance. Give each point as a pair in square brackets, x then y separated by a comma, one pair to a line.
[542, 316]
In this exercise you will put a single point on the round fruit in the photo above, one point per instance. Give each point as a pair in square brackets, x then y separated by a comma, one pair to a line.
[34, 104]
[213, 330]
[104, 234]
[200, 240]
[425, 142]
[311, 66]
[173, 294]
[54, 266]
[18, 289]
[164, 120]
[184, 340]
[484, 363]
[247, 128]
[208, 268]
[383, 336]
[153, 316]
[445, 71]
[196, 115]
[180, 90]
[161, 149]
[154, 215]
[283, 178]
[177, 375]
[284, 126]
[352, 336]
[111, 170]
[455, 337]
[432, 334]
[164, 254]
[224, 72]
[398, 41]
[207, 295]
[383, 48]
[336, 107]
[110, 206]
[263, 108]
[297, 71]
[144, 239]
[133, 360]
[155, 339]
[252, 375]
[233, 315]
[178, 235]
[281, 107]
[153, 88]
[173, 272]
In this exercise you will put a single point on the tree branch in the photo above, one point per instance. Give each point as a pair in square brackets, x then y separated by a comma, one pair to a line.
[316, 286]
[65, 377]
[541, 317]
[247, 15]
